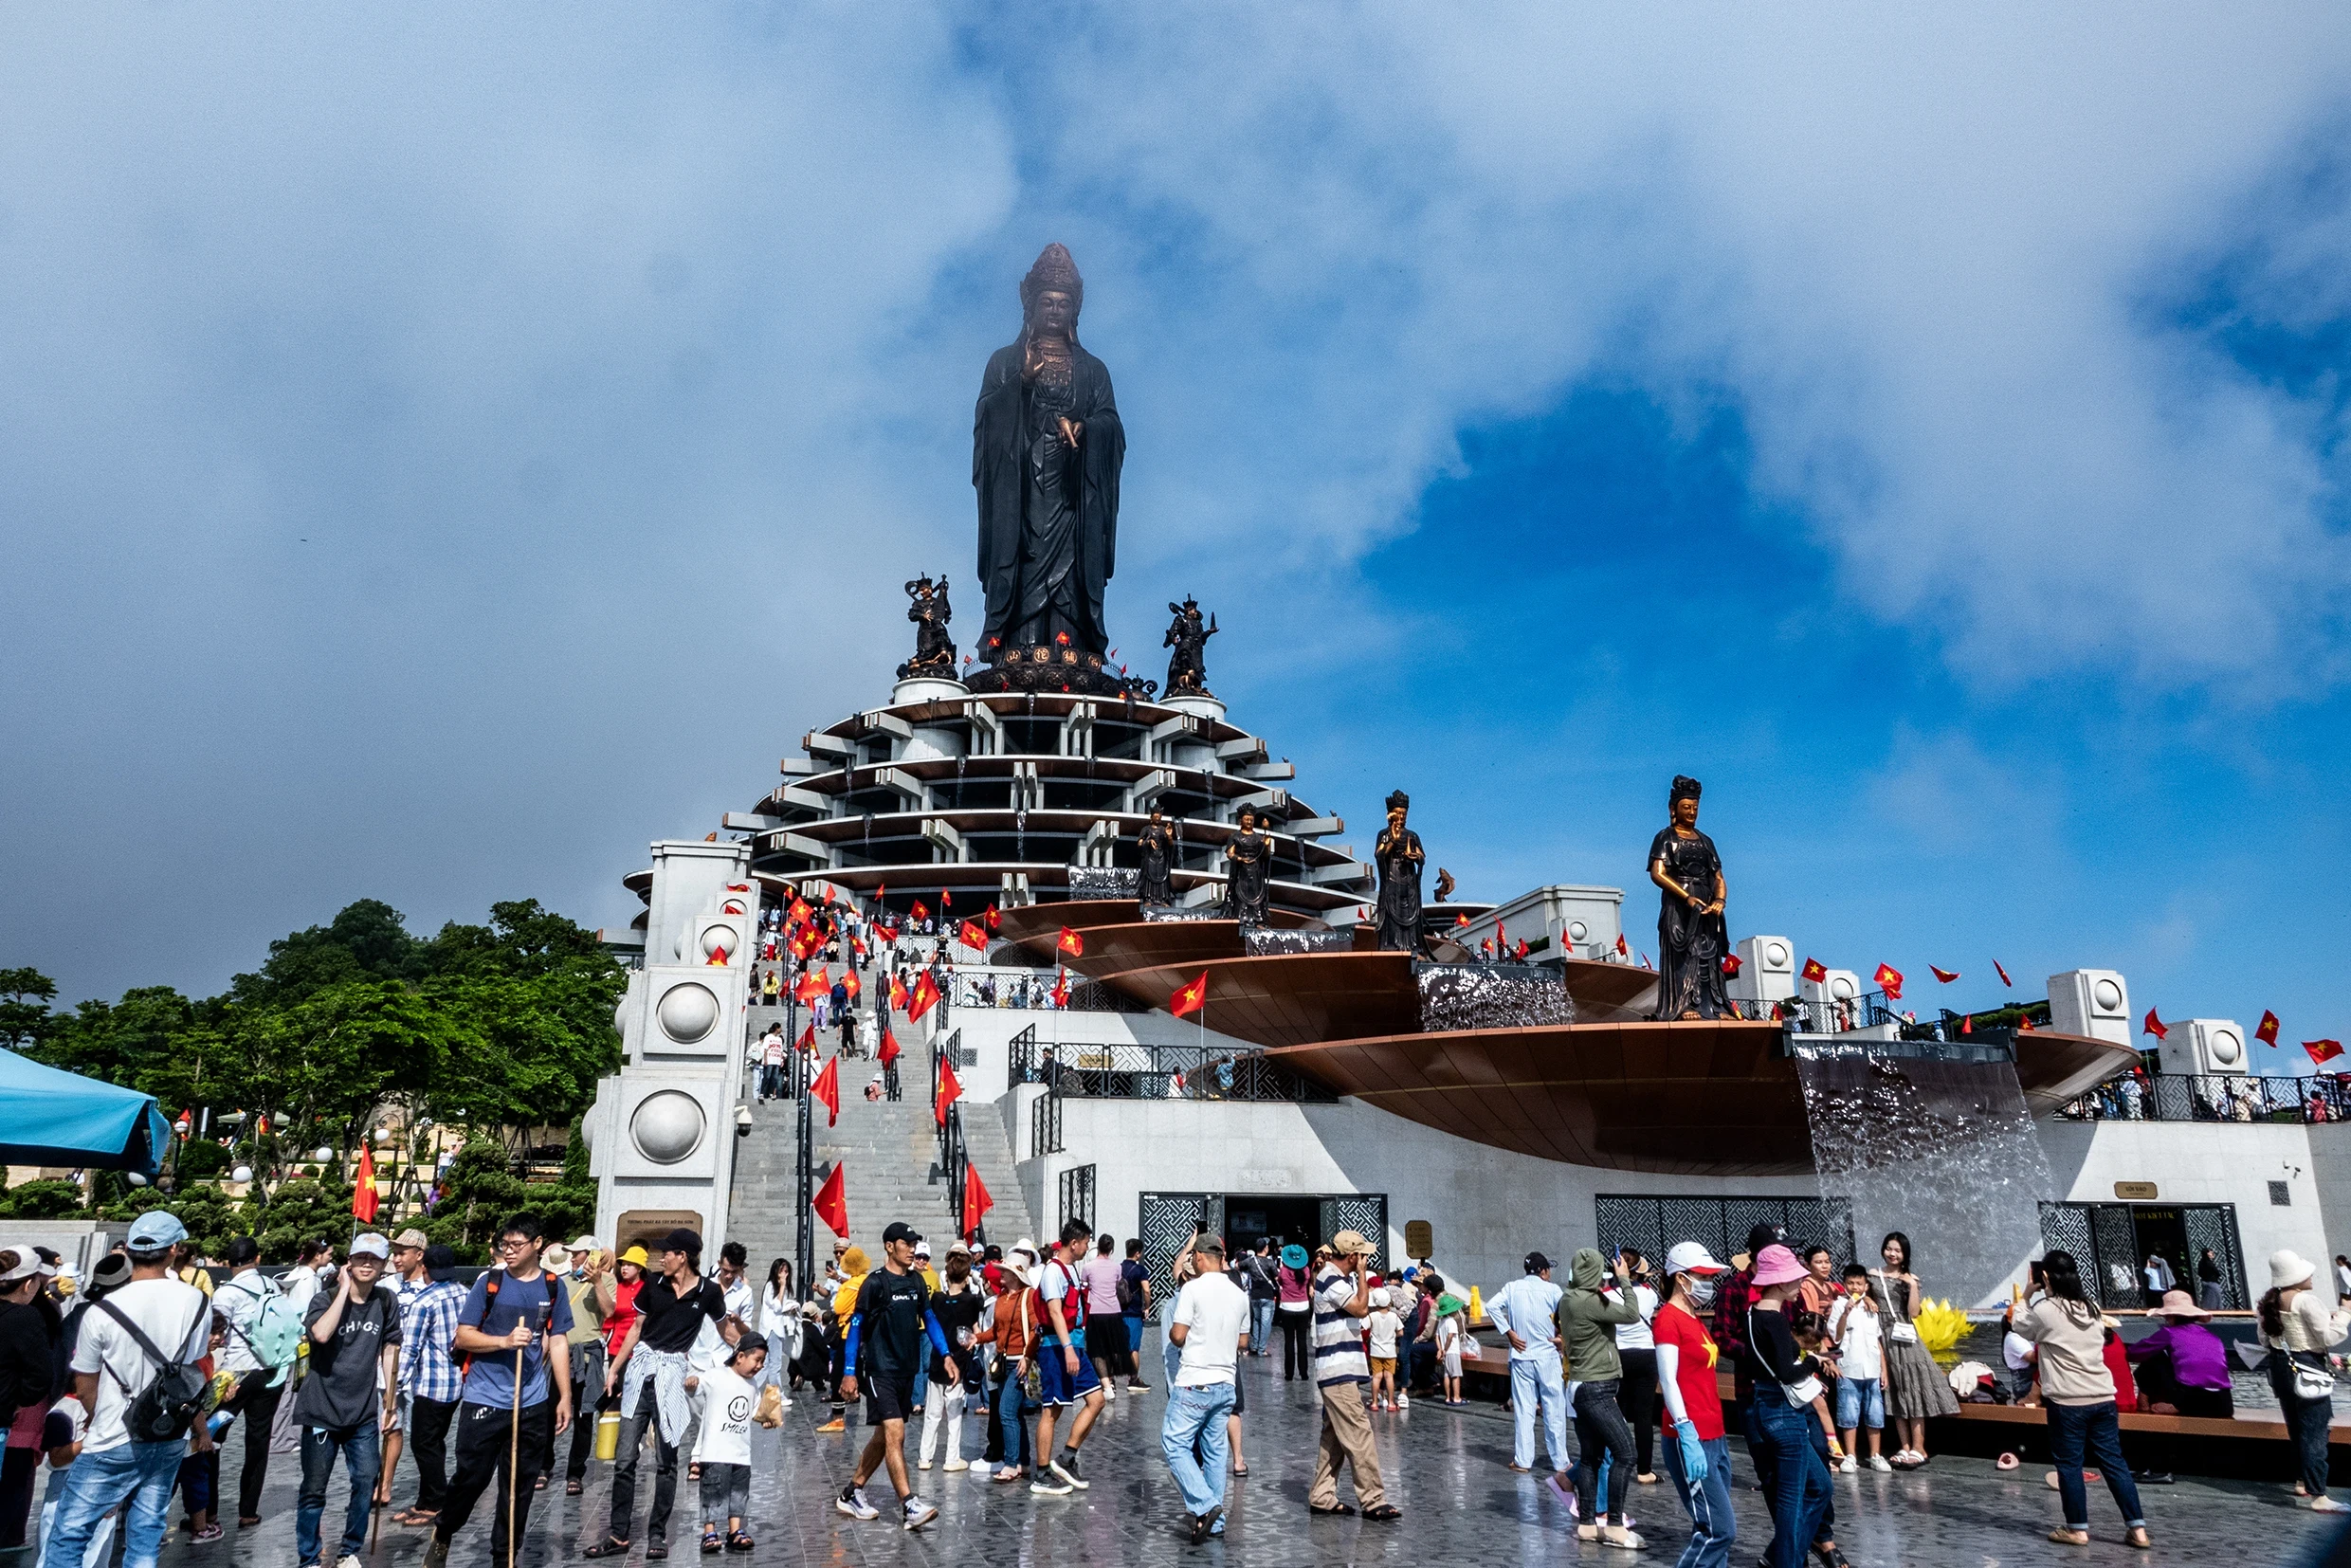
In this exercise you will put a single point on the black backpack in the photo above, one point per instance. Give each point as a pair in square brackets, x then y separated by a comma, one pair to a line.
[163, 1412]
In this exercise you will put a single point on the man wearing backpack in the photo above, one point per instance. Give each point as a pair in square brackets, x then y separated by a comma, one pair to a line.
[265, 1332]
[350, 1399]
[135, 1369]
[509, 1319]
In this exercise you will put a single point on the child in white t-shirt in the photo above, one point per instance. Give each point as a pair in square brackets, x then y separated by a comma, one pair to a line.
[1858, 1331]
[1383, 1328]
[1452, 1331]
[729, 1400]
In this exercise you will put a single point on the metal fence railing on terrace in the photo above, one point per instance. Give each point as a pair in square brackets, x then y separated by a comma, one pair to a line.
[1090, 1071]
[2217, 1097]
[1034, 989]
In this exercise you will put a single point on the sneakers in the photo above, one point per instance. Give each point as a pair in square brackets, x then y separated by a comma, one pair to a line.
[919, 1513]
[1049, 1483]
[1404, 1401]
[1877, 1463]
[852, 1502]
[982, 1471]
[1067, 1467]
[957, 1463]
[922, 1464]
[1849, 1466]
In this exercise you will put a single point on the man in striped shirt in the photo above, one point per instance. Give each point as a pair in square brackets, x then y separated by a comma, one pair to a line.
[1341, 1298]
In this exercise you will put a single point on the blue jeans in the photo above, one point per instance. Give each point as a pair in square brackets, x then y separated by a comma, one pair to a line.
[1013, 1422]
[1260, 1326]
[1860, 1403]
[1535, 1388]
[1714, 1531]
[2073, 1429]
[1135, 1338]
[1196, 1416]
[98, 1483]
[1799, 1480]
[363, 1457]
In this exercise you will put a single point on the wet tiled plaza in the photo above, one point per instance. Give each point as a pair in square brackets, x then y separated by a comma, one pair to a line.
[1448, 1469]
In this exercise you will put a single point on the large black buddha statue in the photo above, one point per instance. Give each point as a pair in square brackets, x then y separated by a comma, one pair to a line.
[1249, 864]
[1692, 937]
[1400, 858]
[1047, 448]
[1155, 843]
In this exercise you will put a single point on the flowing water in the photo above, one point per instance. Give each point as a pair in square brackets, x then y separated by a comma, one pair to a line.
[1941, 1149]
[1261, 941]
[1491, 996]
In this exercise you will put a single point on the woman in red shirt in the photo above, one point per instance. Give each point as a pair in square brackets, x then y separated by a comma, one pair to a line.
[1698, 1457]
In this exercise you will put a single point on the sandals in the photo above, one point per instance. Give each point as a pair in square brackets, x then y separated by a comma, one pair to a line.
[611, 1546]
[1335, 1510]
[712, 1543]
[741, 1541]
[574, 1487]
[1385, 1513]
[656, 1551]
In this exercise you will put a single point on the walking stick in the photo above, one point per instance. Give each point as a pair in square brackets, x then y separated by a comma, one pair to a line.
[514, 1438]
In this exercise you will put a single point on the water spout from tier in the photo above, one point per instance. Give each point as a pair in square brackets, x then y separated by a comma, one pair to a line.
[1934, 1141]
[1456, 996]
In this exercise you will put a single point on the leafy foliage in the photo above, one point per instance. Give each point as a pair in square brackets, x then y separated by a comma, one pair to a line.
[493, 1027]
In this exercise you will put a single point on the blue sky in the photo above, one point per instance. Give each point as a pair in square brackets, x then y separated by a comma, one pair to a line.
[445, 452]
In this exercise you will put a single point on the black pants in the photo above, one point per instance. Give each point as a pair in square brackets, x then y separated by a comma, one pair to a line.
[1297, 1344]
[256, 1405]
[1636, 1396]
[17, 1474]
[482, 1447]
[1600, 1425]
[632, 1434]
[428, 1442]
[584, 1434]
[2309, 1420]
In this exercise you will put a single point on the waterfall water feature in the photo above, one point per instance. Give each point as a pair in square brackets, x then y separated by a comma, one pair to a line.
[1260, 941]
[1455, 997]
[1933, 1140]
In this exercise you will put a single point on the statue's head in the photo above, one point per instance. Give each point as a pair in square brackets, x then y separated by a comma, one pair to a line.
[1248, 818]
[1398, 804]
[1052, 294]
[1683, 801]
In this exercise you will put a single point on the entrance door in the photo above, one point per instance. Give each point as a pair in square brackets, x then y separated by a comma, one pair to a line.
[2110, 1242]
[2161, 1230]
[1285, 1219]
[1168, 1221]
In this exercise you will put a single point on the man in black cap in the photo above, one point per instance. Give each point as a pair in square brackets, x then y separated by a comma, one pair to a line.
[651, 1372]
[886, 1355]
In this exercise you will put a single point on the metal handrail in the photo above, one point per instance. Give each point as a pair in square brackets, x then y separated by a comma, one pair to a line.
[1124, 1071]
[2213, 1097]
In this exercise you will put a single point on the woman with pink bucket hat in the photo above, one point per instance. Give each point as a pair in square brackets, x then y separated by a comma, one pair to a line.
[1788, 1405]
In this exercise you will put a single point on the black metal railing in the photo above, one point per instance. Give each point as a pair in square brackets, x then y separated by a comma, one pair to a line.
[1045, 1127]
[1157, 1072]
[1034, 989]
[954, 1154]
[2214, 1097]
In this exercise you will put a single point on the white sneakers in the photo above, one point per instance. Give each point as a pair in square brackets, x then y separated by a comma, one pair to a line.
[1848, 1466]
[1877, 1462]
[919, 1513]
[957, 1463]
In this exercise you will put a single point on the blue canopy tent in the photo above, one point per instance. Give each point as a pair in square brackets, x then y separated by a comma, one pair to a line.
[51, 1117]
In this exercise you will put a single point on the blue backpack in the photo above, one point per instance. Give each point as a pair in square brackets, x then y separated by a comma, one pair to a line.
[274, 1334]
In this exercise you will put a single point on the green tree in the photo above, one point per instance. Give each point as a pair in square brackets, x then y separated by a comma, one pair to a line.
[25, 998]
[368, 940]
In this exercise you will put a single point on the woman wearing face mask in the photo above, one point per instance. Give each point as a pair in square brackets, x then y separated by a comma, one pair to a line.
[1696, 1454]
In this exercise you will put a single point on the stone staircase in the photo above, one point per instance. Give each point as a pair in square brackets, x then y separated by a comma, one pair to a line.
[892, 1153]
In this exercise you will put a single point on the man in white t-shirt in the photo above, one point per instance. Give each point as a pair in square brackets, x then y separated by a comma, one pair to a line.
[1210, 1324]
[111, 1370]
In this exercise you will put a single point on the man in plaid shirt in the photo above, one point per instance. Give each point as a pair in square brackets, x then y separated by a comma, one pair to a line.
[1730, 1311]
[430, 1300]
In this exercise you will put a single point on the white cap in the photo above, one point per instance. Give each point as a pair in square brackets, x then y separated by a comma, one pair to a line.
[1380, 1299]
[923, 1249]
[367, 1244]
[1691, 1257]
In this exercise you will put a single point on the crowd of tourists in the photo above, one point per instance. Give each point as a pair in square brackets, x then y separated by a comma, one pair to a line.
[125, 1386]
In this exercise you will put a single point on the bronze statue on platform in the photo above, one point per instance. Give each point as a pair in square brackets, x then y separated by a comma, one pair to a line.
[1047, 449]
[1249, 863]
[1692, 937]
[1399, 857]
[1187, 669]
[1156, 842]
[933, 652]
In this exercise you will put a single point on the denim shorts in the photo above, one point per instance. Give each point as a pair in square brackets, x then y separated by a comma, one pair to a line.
[1861, 1402]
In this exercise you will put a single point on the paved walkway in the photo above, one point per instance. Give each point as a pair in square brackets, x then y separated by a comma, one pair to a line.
[1448, 1469]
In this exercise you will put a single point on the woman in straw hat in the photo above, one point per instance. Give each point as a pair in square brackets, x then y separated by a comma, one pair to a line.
[2182, 1367]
